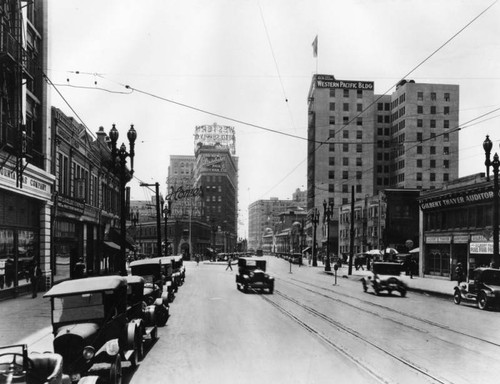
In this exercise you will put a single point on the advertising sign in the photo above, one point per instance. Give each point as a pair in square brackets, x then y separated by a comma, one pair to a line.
[328, 81]
[209, 135]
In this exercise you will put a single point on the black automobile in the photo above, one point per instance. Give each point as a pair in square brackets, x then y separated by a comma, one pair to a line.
[146, 302]
[385, 277]
[157, 271]
[252, 275]
[16, 366]
[483, 290]
[91, 328]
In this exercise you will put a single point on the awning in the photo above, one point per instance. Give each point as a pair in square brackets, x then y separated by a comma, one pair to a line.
[115, 237]
[415, 250]
[111, 245]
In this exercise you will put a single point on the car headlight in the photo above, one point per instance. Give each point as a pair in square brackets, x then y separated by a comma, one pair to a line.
[88, 352]
[75, 377]
[112, 347]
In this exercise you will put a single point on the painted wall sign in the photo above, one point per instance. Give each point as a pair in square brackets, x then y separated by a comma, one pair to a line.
[438, 239]
[181, 193]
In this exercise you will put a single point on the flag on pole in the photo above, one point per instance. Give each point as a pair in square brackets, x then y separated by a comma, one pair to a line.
[315, 46]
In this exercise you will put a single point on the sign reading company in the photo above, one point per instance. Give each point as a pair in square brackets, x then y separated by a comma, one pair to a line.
[181, 193]
[215, 134]
[328, 81]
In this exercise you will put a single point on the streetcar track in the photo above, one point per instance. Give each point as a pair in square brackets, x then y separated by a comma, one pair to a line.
[423, 320]
[350, 331]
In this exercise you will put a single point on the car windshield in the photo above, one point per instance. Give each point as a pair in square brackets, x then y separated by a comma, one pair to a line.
[491, 277]
[82, 307]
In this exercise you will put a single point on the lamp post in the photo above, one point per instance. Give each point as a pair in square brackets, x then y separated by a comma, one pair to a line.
[487, 146]
[327, 218]
[158, 215]
[134, 217]
[121, 155]
[314, 221]
[166, 212]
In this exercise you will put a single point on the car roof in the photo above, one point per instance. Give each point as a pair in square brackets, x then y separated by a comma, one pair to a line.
[89, 284]
[134, 279]
[152, 260]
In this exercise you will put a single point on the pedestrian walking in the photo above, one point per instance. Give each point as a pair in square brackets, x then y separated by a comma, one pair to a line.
[197, 258]
[35, 275]
[229, 266]
[79, 270]
[460, 273]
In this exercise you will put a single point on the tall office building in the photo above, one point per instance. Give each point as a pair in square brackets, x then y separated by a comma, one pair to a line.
[372, 142]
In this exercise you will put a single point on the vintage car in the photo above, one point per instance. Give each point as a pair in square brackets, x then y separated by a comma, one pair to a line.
[484, 289]
[146, 305]
[178, 269]
[385, 277]
[16, 366]
[295, 258]
[91, 328]
[156, 271]
[252, 275]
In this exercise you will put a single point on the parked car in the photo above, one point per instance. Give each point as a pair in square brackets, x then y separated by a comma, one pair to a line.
[91, 328]
[156, 271]
[146, 305]
[178, 268]
[385, 277]
[484, 289]
[16, 366]
[252, 275]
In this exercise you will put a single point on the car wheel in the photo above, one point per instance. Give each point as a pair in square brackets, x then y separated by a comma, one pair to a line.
[403, 292]
[271, 290]
[377, 291]
[115, 371]
[457, 298]
[482, 303]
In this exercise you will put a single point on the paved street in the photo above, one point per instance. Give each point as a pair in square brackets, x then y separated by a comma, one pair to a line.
[309, 331]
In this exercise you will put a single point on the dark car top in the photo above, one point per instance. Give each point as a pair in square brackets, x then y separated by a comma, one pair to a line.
[251, 263]
[154, 260]
[489, 276]
[387, 268]
[87, 285]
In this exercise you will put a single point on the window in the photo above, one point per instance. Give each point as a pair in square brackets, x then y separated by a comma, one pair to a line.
[331, 161]
[446, 150]
[433, 150]
[433, 123]
[345, 200]
[446, 110]
[419, 176]
[446, 97]
[345, 161]
[420, 123]
[387, 106]
[346, 93]
[332, 92]
[345, 188]
[345, 120]
[433, 136]
[345, 147]
[331, 133]
[345, 175]
[345, 107]
[433, 96]
[345, 134]
[419, 149]
[380, 106]
[432, 177]
[387, 119]
[332, 106]
[446, 163]
[420, 96]
[359, 175]
[446, 137]
[380, 119]
[419, 136]
[332, 120]
[359, 134]
[359, 161]
[446, 177]
[331, 174]
[433, 110]
[359, 121]
[359, 107]
[331, 188]
[359, 93]
[419, 163]
[358, 188]
[446, 123]
[433, 163]
[331, 147]
[420, 109]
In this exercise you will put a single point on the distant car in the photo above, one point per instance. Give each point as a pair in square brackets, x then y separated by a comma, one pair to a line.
[16, 366]
[157, 271]
[178, 268]
[484, 289]
[91, 328]
[296, 258]
[252, 275]
[385, 277]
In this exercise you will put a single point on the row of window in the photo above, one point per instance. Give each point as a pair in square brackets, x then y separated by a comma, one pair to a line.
[345, 175]
[345, 120]
[462, 217]
[345, 161]
[346, 92]
[345, 134]
[345, 107]
[345, 188]
[345, 147]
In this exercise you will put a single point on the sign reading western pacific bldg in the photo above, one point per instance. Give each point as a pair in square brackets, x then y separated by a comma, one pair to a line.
[328, 81]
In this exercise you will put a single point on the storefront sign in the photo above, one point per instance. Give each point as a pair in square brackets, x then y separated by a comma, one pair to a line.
[460, 239]
[328, 81]
[70, 205]
[438, 239]
[457, 200]
[481, 248]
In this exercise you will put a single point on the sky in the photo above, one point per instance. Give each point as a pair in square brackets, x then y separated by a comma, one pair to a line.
[249, 64]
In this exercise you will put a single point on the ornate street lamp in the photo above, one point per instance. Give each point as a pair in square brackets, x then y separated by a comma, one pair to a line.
[121, 155]
[327, 218]
[487, 146]
[314, 221]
